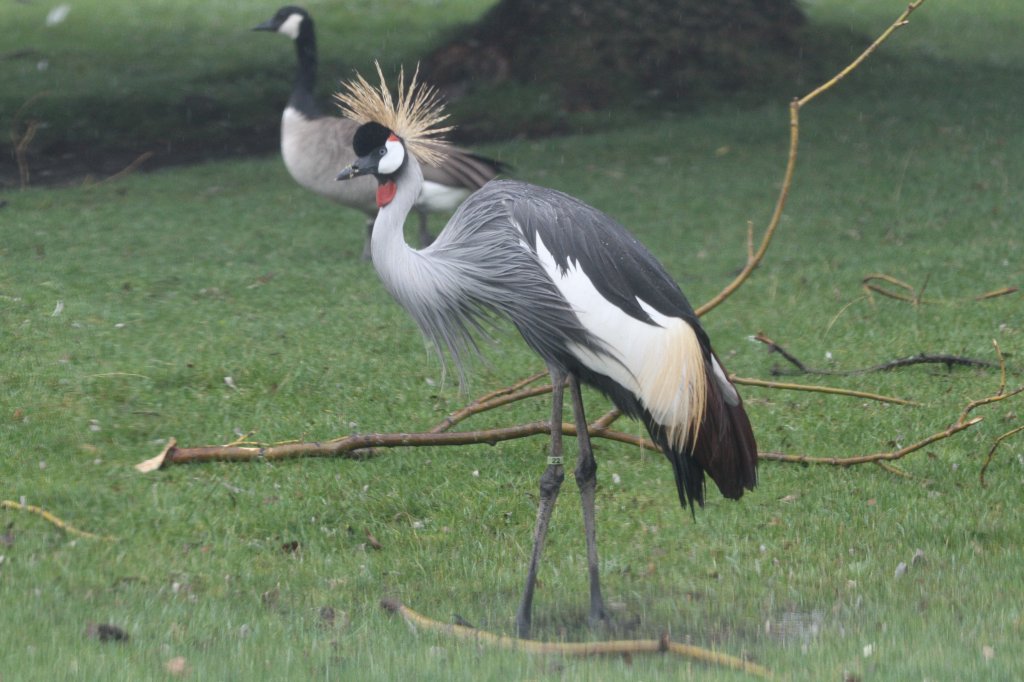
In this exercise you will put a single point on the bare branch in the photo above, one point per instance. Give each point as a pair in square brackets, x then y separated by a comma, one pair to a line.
[992, 452]
[794, 142]
[55, 520]
[356, 446]
[915, 296]
[821, 389]
[1005, 291]
[22, 140]
[620, 647]
[489, 401]
[129, 169]
[920, 359]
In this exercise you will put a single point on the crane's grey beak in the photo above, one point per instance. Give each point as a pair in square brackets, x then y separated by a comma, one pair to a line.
[347, 173]
[361, 166]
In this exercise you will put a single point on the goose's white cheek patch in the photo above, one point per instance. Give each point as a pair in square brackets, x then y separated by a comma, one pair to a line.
[291, 25]
[393, 157]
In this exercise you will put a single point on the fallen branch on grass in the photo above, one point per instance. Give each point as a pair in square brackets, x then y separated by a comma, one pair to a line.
[613, 648]
[915, 296]
[55, 520]
[964, 421]
[357, 446]
[360, 446]
[992, 451]
[746, 381]
[946, 359]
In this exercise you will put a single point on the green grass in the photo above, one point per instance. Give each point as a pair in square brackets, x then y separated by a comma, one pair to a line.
[171, 281]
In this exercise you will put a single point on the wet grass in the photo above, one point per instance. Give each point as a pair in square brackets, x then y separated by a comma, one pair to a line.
[123, 308]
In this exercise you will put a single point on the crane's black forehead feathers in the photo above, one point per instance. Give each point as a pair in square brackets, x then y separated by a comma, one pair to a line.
[368, 137]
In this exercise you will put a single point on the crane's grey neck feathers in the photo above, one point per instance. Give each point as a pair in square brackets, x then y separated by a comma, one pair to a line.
[457, 288]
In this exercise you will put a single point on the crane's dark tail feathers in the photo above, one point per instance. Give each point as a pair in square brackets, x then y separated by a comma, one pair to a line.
[725, 449]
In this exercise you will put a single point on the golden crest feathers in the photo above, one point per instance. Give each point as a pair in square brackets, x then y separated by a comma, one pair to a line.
[414, 115]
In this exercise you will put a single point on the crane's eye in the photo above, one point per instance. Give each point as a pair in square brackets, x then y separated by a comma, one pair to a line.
[382, 151]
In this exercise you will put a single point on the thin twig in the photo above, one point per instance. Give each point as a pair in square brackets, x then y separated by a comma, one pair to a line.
[21, 141]
[746, 381]
[900, 22]
[916, 296]
[776, 348]
[794, 143]
[620, 647]
[55, 520]
[489, 401]
[920, 359]
[951, 430]
[868, 282]
[1005, 291]
[992, 452]
[21, 150]
[892, 469]
[963, 422]
[127, 170]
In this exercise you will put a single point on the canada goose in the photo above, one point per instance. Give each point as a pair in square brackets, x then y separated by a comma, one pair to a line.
[315, 145]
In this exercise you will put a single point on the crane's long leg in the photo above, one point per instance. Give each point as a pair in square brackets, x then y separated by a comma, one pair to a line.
[550, 483]
[586, 479]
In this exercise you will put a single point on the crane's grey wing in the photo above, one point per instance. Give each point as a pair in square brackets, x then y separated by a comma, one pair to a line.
[673, 381]
[621, 268]
[491, 273]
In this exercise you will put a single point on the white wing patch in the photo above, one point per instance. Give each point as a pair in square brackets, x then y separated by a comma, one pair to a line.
[439, 198]
[660, 363]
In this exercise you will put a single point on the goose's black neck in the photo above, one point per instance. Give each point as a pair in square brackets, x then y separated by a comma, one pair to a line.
[305, 75]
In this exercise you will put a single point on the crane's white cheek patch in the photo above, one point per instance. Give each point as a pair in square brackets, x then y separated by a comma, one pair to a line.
[661, 363]
[393, 158]
[291, 25]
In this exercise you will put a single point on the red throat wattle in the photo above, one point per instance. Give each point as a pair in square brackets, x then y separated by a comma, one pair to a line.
[386, 192]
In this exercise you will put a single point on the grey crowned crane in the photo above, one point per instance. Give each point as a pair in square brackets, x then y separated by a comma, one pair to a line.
[584, 294]
[314, 146]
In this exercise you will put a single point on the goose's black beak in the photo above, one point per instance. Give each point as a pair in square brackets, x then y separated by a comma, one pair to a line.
[268, 25]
